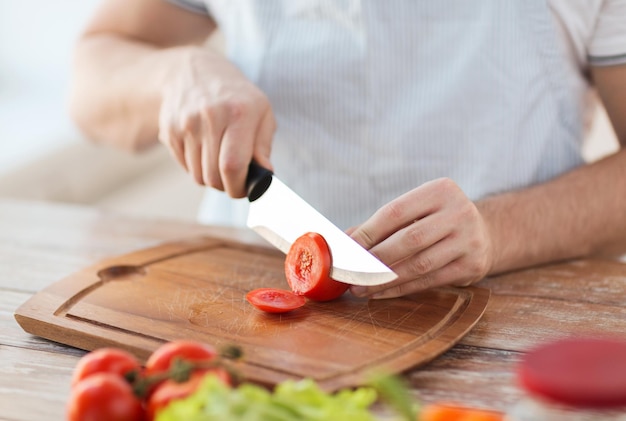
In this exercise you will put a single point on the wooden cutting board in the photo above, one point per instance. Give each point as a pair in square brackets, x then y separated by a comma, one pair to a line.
[194, 289]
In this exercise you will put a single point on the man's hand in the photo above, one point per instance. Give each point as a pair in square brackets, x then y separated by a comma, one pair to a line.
[215, 121]
[142, 71]
[431, 236]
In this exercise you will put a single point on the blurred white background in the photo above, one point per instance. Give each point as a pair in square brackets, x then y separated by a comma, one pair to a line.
[35, 52]
[43, 156]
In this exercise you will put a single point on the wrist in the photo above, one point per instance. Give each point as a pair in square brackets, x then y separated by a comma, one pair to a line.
[497, 248]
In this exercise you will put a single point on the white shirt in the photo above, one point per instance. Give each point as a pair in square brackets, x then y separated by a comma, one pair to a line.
[374, 98]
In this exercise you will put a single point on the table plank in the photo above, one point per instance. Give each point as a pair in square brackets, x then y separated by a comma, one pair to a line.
[599, 281]
[12, 334]
[518, 323]
[475, 376]
[34, 384]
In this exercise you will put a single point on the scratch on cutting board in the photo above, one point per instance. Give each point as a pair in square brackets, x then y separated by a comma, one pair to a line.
[350, 320]
[379, 321]
[401, 320]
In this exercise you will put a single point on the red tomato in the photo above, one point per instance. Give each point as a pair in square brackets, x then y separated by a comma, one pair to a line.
[104, 397]
[170, 390]
[587, 371]
[105, 360]
[273, 300]
[162, 357]
[307, 268]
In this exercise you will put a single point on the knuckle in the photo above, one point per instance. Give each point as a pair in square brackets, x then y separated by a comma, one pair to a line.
[259, 99]
[230, 165]
[415, 237]
[213, 180]
[197, 176]
[211, 112]
[211, 176]
[236, 108]
[469, 210]
[417, 284]
[398, 290]
[190, 123]
[476, 244]
[393, 211]
[364, 237]
[447, 185]
[420, 265]
[214, 184]
[475, 268]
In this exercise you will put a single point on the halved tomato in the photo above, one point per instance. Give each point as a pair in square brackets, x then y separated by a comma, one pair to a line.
[307, 268]
[274, 300]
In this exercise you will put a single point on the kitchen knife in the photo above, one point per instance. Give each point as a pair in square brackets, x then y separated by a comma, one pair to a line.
[281, 216]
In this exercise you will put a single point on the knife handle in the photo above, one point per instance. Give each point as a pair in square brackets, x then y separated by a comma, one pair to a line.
[258, 181]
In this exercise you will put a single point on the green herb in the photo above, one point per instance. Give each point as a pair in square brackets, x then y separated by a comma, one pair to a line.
[394, 391]
[290, 401]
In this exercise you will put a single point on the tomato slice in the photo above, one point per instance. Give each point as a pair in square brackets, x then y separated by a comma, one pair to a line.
[273, 300]
[307, 268]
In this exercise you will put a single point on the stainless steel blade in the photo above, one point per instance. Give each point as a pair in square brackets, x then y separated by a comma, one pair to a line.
[281, 216]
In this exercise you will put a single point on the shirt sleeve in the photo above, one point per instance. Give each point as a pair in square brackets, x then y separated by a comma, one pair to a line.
[196, 6]
[607, 45]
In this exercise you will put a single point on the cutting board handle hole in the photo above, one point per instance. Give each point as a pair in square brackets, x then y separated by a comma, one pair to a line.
[121, 272]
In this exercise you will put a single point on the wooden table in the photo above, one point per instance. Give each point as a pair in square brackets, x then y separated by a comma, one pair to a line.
[41, 243]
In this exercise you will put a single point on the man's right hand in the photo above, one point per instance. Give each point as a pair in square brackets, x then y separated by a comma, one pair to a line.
[142, 71]
[215, 121]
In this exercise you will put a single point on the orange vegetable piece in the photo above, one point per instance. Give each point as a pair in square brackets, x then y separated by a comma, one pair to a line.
[444, 412]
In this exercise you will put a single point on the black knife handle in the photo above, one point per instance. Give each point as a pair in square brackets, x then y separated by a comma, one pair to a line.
[258, 181]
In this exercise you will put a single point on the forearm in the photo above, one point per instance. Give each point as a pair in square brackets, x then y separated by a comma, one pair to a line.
[577, 214]
[116, 90]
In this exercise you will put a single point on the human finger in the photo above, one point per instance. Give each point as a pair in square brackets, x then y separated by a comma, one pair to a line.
[193, 157]
[171, 137]
[440, 277]
[413, 238]
[418, 267]
[398, 213]
[214, 125]
[237, 147]
[175, 144]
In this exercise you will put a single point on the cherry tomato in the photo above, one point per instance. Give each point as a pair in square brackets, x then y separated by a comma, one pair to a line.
[170, 390]
[162, 357]
[273, 300]
[104, 397]
[105, 360]
[307, 268]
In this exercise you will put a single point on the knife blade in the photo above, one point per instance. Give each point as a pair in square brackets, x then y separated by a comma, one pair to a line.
[280, 216]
